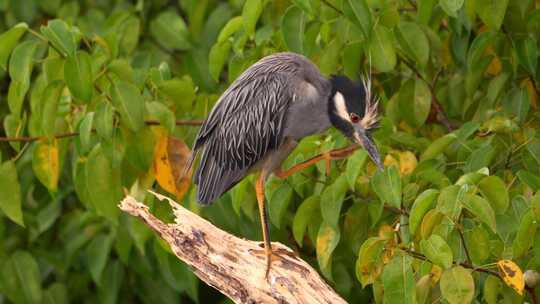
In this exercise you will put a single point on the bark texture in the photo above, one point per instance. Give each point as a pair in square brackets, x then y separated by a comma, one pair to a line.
[232, 265]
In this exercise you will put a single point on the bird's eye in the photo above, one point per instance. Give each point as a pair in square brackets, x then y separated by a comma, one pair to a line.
[355, 118]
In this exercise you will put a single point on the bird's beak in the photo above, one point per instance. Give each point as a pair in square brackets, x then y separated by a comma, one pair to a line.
[362, 138]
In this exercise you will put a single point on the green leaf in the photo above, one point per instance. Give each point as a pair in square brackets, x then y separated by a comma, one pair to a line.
[471, 178]
[232, 26]
[398, 281]
[437, 251]
[56, 294]
[180, 92]
[78, 76]
[303, 216]
[356, 225]
[478, 47]
[97, 254]
[49, 112]
[369, 262]
[494, 190]
[381, 50]
[387, 186]
[293, 27]
[327, 240]
[61, 36]
[8, 41]
[111, 283]
[330, 57]
[451, 6]
[361, 10]
[250, 15]
[219, 54]
[530, 179]
[415, 94]
[163, 114]
[425, 10]
[104, 119]
[129, 102]
[450, 201]
[413, 41]
[517, 103]
[457, 285]
[491, 12]
[423, 287]
[20, 278]
[105, 184]
[9, 183]
[354, 165]
[305, 5]
[85, 131]
[422, 204]
[332, 200]
[524, 240]
[20, 70]
[438, 146]
[478, 206]
[170, 30]
[527, 52]
[279, 202]
[478, 244]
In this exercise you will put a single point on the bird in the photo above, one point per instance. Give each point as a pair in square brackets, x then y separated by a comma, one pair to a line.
[263, 115]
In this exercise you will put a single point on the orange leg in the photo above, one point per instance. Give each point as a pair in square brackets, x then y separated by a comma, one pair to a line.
[259, 188]
[327, 156]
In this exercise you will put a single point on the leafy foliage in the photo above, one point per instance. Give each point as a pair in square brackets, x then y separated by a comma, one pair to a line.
[98, 98]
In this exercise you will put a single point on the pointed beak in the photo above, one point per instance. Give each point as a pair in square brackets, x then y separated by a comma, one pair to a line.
[362, 138]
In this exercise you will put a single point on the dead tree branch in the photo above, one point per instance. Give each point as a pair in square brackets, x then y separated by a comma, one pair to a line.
[235, 266]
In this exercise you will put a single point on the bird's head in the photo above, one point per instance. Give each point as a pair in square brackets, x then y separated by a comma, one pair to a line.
[353, 111]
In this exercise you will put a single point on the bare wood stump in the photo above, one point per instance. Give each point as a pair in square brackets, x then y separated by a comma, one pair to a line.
[235, 266]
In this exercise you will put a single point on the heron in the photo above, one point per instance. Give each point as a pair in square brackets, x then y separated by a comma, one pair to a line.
[261, 117]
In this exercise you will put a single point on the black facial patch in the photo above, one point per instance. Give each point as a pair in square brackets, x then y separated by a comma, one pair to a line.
[353, 92]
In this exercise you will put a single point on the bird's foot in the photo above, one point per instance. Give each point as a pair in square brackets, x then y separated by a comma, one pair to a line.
[269, 256]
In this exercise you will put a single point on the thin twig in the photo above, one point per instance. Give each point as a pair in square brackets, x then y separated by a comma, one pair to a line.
[332, 6]
[72, 134]
[464, 245]
[420, 256]
[434, 100]
[532, 293]
[411, 2]
[44, 39]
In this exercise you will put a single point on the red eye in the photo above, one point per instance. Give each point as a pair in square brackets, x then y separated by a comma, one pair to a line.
[355, 118]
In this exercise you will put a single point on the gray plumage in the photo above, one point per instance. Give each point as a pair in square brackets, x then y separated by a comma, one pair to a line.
[250, 125]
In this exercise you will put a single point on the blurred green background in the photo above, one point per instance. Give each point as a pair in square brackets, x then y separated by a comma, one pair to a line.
[93, 93]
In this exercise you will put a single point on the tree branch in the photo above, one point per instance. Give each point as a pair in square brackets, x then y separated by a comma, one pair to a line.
[72, 134]
[235, 266]
[422, 257]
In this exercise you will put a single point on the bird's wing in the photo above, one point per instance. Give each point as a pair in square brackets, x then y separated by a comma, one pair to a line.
[246, 123]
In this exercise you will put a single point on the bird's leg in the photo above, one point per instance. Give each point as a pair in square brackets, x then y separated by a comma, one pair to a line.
[327, 157]
[259, 188]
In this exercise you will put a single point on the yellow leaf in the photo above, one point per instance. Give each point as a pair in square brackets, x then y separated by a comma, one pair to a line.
[45, 163]
[436, 272]
[407, 162]
[495, 67]
[529, 86]
[512, 275]
[386, 232]
[389, 160]
[170, 158]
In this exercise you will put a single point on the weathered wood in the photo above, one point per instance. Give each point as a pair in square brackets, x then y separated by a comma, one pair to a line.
[235, 266]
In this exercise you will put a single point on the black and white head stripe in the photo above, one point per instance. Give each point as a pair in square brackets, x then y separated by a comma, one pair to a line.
[354, 98]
